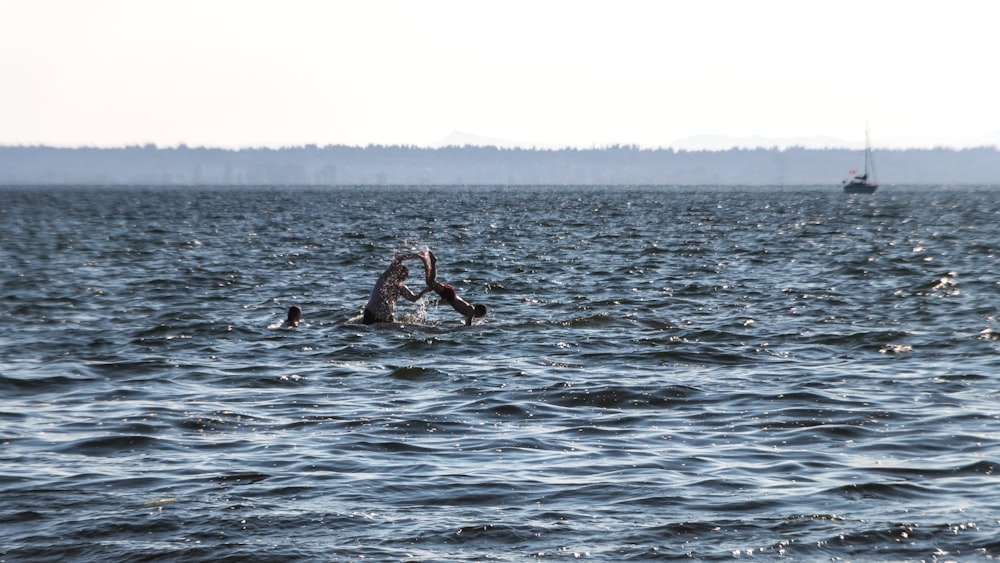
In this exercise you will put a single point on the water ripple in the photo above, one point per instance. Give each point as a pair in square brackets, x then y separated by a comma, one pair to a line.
[710, 374]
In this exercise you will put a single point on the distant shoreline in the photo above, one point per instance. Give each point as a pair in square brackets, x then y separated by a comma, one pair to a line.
[338, 165]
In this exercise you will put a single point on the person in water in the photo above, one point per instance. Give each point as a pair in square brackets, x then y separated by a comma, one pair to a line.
[294, 317]
[447, 292]
[388, 289]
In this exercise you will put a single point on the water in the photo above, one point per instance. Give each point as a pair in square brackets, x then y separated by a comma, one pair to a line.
[665, 373]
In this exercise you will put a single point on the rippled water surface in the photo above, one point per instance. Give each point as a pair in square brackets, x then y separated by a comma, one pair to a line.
[665, 373]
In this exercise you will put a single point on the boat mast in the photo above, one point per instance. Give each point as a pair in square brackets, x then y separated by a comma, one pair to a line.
[868, 156]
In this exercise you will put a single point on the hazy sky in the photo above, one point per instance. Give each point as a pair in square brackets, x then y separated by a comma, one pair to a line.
[554, 73]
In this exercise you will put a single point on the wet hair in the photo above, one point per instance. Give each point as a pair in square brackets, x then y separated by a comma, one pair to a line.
[294, 314]
[480, 310]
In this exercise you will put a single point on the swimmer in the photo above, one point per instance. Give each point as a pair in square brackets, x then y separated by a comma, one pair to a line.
[388, 289]
[294, 317]
[447, 292]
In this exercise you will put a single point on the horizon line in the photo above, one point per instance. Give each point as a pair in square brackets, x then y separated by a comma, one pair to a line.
[533, 148]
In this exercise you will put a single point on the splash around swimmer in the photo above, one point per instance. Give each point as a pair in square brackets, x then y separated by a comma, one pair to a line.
[390, 287]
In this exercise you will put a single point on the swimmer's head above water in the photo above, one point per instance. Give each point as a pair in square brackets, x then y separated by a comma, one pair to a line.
[294, 316]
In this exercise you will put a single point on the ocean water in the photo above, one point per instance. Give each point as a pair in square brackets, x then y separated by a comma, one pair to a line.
[664, 373]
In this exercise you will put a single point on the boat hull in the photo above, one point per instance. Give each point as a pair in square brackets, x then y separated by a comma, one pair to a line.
[860, 188]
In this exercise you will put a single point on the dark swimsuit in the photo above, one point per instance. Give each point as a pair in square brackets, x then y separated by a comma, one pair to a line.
[448, 293]
[369, 318]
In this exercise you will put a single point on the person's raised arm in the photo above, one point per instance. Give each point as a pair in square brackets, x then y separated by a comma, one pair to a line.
[430, 268]
[408, 294]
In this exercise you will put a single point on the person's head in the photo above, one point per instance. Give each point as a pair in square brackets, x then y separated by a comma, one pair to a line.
[401, 272]
[480, 311]
[294, 315]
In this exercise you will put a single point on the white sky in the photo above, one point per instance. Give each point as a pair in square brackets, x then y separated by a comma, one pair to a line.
[238, 73]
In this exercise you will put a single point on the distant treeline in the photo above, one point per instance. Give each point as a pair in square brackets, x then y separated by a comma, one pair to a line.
[468, 165]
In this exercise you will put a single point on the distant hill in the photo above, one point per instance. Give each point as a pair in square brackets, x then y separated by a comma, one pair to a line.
[724, 142]
[463, 139]
[469, 164]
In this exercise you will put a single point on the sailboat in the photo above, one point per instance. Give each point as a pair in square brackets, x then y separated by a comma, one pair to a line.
[861, 184]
